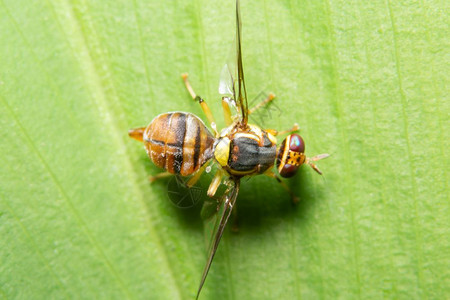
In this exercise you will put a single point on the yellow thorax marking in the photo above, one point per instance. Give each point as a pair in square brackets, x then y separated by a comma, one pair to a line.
[272, 138]
[246, 135]
[222, 151]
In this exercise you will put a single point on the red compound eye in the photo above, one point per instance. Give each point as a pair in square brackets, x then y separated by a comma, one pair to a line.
[296, 143]
[288, 170]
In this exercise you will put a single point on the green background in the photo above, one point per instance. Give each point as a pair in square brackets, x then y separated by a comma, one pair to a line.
[367, 82]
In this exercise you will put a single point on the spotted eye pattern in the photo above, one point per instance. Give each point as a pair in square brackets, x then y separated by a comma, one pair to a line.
[291, 155]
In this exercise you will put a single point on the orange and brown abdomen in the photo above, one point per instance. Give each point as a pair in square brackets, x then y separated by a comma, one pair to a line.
[178, 142]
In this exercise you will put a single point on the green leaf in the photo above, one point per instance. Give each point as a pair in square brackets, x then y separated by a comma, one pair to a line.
[366, 82]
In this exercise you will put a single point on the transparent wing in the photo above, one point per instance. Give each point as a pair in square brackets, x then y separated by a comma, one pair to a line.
[232, 84]
[242, 92]
[227, 77]
[226, 205]
[227, 83]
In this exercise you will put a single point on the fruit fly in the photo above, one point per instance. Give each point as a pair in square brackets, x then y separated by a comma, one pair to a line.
[180, 143]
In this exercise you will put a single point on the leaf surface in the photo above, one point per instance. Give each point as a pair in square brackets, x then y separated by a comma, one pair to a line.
[366, 82]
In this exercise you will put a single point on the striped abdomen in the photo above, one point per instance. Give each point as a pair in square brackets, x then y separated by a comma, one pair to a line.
[178, 142]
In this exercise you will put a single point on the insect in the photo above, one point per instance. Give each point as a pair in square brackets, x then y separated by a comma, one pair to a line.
[180, 143]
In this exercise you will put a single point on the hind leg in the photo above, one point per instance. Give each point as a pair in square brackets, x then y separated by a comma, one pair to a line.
[159, 176]
[202, 102]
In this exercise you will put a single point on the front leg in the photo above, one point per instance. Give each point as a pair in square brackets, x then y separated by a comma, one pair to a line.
[269, 98]
[294, 198]
[276, 132]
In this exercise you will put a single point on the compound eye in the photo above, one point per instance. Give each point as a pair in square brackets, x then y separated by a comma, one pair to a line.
[287, 170]
[296, 143]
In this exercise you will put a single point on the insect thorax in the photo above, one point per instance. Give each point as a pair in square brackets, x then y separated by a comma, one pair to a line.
[245, 152]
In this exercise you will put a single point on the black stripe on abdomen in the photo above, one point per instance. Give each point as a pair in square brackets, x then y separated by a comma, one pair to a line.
[162, 143]
[197, 146]
[156, 142]
[180, 134]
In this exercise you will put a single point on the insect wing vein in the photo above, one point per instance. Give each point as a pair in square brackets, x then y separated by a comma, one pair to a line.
[232, 84]
[242, 92]
[226, 83]
[226, 207]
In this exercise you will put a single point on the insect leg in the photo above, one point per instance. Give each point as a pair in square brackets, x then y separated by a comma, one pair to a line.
[137, 133]
[202, 102]
[262, 103]
[276, 132]
[215, 183]
[226, 111]
[235, 224]
[271, 174]
[159, 176]
[310, 161]
[196, 176]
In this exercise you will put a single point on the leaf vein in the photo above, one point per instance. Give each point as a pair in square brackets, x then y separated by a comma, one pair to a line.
[90, 67]
[81, 222]
[344, 137]
[36, 249]
[408, 145]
